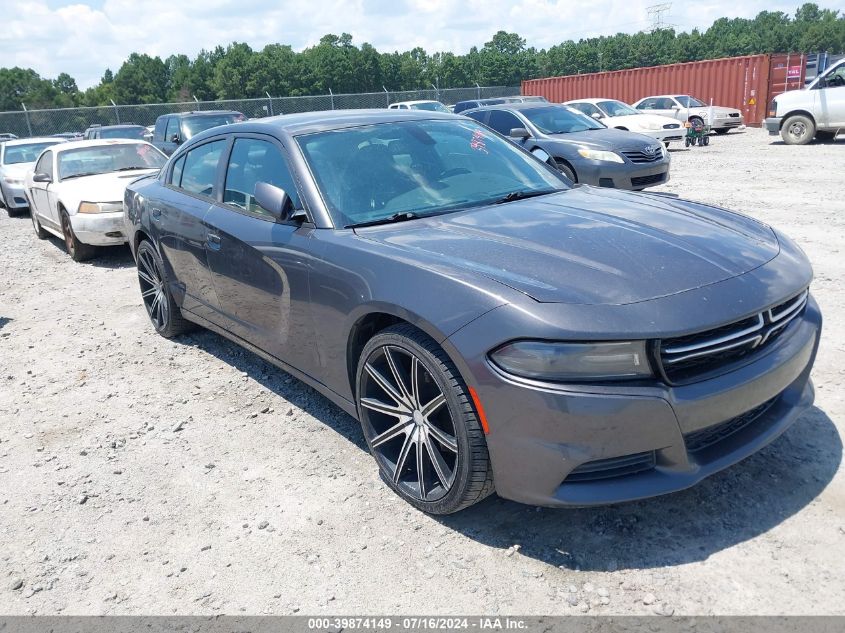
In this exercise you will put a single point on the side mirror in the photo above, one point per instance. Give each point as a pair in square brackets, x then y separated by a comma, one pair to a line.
[597, 116]
[175, 139]
[674, 107]
[276, 201]
[41, 178]
[519, 132]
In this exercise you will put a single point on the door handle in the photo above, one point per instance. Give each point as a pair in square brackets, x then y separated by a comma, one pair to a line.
[213, 241]
[156, 213]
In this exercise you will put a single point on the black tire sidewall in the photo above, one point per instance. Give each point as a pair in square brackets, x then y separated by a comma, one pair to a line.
[167, 329]
[453, 499]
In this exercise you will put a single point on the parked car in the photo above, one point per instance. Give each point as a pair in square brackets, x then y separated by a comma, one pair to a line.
[171, 130]
[76, 191]
[431, 106]
[817, 111]
[69, 136]
[621, 116]
[7, 136]
[685, 108]
[471, 104]
[125, 130]
[583, 149]
[596, 346]
[526, 99]
[16, 158]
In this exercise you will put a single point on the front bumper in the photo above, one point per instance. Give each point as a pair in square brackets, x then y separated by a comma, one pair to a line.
[623, 175]
[14, 196]
[726, 122]
[99, 229]
[541, 433]
[664, 135]
[773, 125]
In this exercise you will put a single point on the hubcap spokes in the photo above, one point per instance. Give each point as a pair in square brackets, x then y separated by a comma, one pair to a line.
[152, 290]
[408, 424]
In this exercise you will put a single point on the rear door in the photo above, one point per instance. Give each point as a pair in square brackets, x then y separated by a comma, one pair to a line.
[260, 264]
[178, 217]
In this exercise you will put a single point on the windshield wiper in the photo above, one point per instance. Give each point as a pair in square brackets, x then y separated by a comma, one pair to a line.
[134, 168]
[522, 195]
[88, 173]
[391, 219]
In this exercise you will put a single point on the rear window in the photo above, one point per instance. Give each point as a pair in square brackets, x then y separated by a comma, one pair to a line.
[28, 153]
[124, 132]
[193, 125]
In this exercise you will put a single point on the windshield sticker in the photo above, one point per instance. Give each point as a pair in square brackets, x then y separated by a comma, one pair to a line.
[477, 142]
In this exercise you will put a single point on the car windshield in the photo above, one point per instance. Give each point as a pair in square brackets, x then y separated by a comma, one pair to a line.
[103, 159]
[560, 120]
[28, 153]
[690, 102]
[418, 168]
[431, 106]
[193, 125]
[617, 108]
[124, 132]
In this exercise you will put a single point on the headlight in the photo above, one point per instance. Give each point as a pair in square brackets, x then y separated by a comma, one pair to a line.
[10, 180]
[100, 207]
[595, 154]
[545, 360]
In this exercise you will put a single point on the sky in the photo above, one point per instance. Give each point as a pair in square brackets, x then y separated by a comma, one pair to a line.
[84, 38]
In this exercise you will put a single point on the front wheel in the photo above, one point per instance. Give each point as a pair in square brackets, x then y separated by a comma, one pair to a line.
[420, 423]
[798, 130]
[565, 169]
[164, 314]
[78, 251]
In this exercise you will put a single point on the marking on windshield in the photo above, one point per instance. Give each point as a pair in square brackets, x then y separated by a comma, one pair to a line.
[477, 142]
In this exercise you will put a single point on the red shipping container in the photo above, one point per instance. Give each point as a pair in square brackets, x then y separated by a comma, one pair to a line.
[735, 82]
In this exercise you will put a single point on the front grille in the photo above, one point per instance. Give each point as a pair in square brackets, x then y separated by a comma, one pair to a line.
[640, 157]
[642, 181]
[612, 467]
[686, 357]
[701, 439]
[671, 126]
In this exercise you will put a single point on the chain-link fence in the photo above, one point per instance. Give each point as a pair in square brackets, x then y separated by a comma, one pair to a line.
[69, 120]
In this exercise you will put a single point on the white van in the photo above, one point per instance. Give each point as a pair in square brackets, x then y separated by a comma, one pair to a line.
[817, 111]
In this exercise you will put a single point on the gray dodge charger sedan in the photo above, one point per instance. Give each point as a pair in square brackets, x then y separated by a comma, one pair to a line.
[491, 327]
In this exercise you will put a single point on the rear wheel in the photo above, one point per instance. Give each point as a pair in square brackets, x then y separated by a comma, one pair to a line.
[420, 424]
[798, 130]
[164, 314]
[40, 233]
[78, 251]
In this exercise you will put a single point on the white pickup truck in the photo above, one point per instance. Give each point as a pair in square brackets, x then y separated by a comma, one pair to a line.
[817, 111]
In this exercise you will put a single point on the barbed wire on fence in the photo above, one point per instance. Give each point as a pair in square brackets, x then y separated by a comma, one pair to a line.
[68, 120]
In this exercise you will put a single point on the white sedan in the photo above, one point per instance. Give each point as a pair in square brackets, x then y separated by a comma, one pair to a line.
[621, 116]
[75, 191]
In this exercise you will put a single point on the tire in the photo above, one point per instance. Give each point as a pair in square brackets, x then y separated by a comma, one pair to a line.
[40, 233]
[435, 419]
[798, 130]
[164, 314]
[687, 141]
[722, 130]
[78, 251]
[565, 169]
[706, 140]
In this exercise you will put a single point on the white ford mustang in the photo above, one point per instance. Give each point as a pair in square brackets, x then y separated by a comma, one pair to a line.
[621, 116]
[75, 190]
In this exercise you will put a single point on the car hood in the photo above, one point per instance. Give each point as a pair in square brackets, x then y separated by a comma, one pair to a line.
[605, 139]
[589, 245]
[102, 187]
[17, 170]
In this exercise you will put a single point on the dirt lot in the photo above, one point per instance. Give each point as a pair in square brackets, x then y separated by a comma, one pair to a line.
[139, 475]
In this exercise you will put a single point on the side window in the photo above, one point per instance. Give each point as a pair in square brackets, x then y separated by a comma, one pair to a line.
[253, 161]
[200, 171]
[503, 122]
[587, 108]
[836, 79]
[176, 174]
[161, 124]
[667, 104]
[648, 104]
[45, 165]
[172, 128]
[481, 117]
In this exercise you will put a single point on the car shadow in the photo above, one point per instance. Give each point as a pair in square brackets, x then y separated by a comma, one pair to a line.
[4, 321]
[279, 382]
[105, 257]
[733, 506]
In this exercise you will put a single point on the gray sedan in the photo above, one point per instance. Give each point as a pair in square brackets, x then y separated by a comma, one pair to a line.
[491, 327]
[585, 150]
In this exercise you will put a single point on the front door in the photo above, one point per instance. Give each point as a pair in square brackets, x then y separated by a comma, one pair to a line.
[259, 263]
[831, 100]
[38, 195]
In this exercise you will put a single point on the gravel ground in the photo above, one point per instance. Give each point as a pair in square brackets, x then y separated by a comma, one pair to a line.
[140, 475]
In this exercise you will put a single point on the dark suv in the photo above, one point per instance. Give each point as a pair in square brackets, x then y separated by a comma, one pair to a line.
[126, 130]
[172, 130]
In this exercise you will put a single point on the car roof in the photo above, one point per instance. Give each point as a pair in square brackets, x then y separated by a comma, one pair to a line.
[594, 100]
[528, 105]
[32, 139]
[114, 127]
[201, 113]
[98, 143]
[413, 102]
[309, 122]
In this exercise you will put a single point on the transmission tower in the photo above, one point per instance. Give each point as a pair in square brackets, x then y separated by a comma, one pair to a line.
[656, 12]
